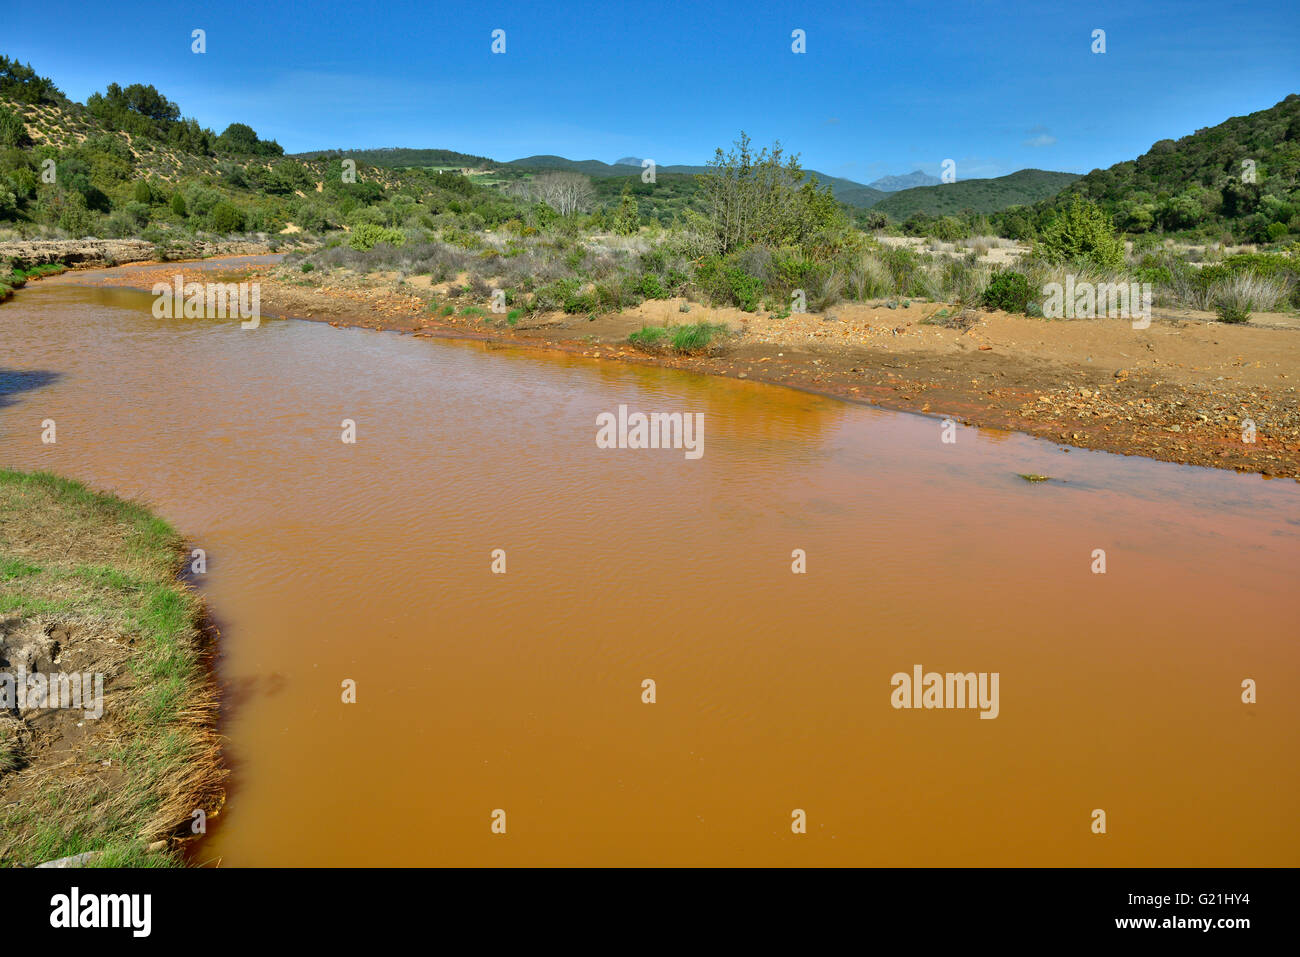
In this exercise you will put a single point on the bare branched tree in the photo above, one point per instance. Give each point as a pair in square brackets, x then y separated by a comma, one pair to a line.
[566, 193]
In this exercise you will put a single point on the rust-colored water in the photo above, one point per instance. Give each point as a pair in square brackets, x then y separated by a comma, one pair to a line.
[523, 691]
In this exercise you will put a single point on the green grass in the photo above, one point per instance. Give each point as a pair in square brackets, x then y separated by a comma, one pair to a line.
[19, 276]
[104, 567]
[686, 339]
[648, 336]
[700, 335]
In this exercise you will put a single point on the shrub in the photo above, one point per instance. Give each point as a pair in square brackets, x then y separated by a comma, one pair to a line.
[868, 278]
[368, 235]
[1083, 231]
[1235, 297]
[825, 289]
[145, 192]
[906, 272]
[12, 130]
[627, 221]
[651, 287]
[963, 281]
[726, 283]
[1008, 290]
[948, 228]
[225, 217]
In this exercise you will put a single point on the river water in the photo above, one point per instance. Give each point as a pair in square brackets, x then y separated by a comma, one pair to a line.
[522, 692]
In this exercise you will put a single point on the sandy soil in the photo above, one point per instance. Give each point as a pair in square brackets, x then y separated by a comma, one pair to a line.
[1178, 391]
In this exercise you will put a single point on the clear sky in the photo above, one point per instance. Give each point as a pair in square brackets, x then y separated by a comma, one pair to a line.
[882, 88]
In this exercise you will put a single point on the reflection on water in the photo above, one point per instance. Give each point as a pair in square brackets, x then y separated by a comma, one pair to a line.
[522, 691]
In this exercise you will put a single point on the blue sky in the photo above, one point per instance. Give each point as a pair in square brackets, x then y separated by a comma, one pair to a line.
[882, 88]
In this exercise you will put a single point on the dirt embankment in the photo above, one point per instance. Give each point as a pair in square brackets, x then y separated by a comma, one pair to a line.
[1186, 389]
[90, 253]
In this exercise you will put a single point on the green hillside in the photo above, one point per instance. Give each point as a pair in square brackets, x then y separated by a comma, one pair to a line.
[127, 164]
[981, 196]
[845, 190]
[1202, 184]
[398, 157]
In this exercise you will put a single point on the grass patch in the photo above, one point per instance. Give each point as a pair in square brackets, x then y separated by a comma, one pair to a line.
[695, 337]
[106, 571]
[651, 336]
[698, 336]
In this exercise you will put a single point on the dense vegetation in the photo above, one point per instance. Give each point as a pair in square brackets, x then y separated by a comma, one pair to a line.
[975, 195]
[751, 229]
[399, 157]
[1238, 181]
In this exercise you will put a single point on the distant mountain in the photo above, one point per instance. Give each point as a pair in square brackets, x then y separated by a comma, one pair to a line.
[981, 195]
[892, 184]
[628, 161]
[845, 190]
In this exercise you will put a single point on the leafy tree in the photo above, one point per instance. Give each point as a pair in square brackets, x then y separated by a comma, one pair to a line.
[225, 217]
[12, 130]
[762, 197]
[21, 83]
[239, 138]
[628, 219]
[1083, 232]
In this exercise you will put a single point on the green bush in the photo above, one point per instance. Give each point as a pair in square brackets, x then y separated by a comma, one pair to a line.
[1084, 232]
[1232, 310]
[727, 283]
[1008, 290]
[651, 287]
[12, 130]
[226, 217]
[368, 235]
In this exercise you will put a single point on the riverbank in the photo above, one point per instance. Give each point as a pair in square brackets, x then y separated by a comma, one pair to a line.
[89, 586]
[1182, 390]
[97, 253]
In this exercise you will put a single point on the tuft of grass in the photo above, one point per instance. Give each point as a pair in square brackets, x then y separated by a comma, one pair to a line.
[696, 337]
[648, 336]
[1033, 477]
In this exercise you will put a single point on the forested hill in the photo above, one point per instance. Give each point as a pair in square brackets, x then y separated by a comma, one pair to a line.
[1241, 177]
[977, 195]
